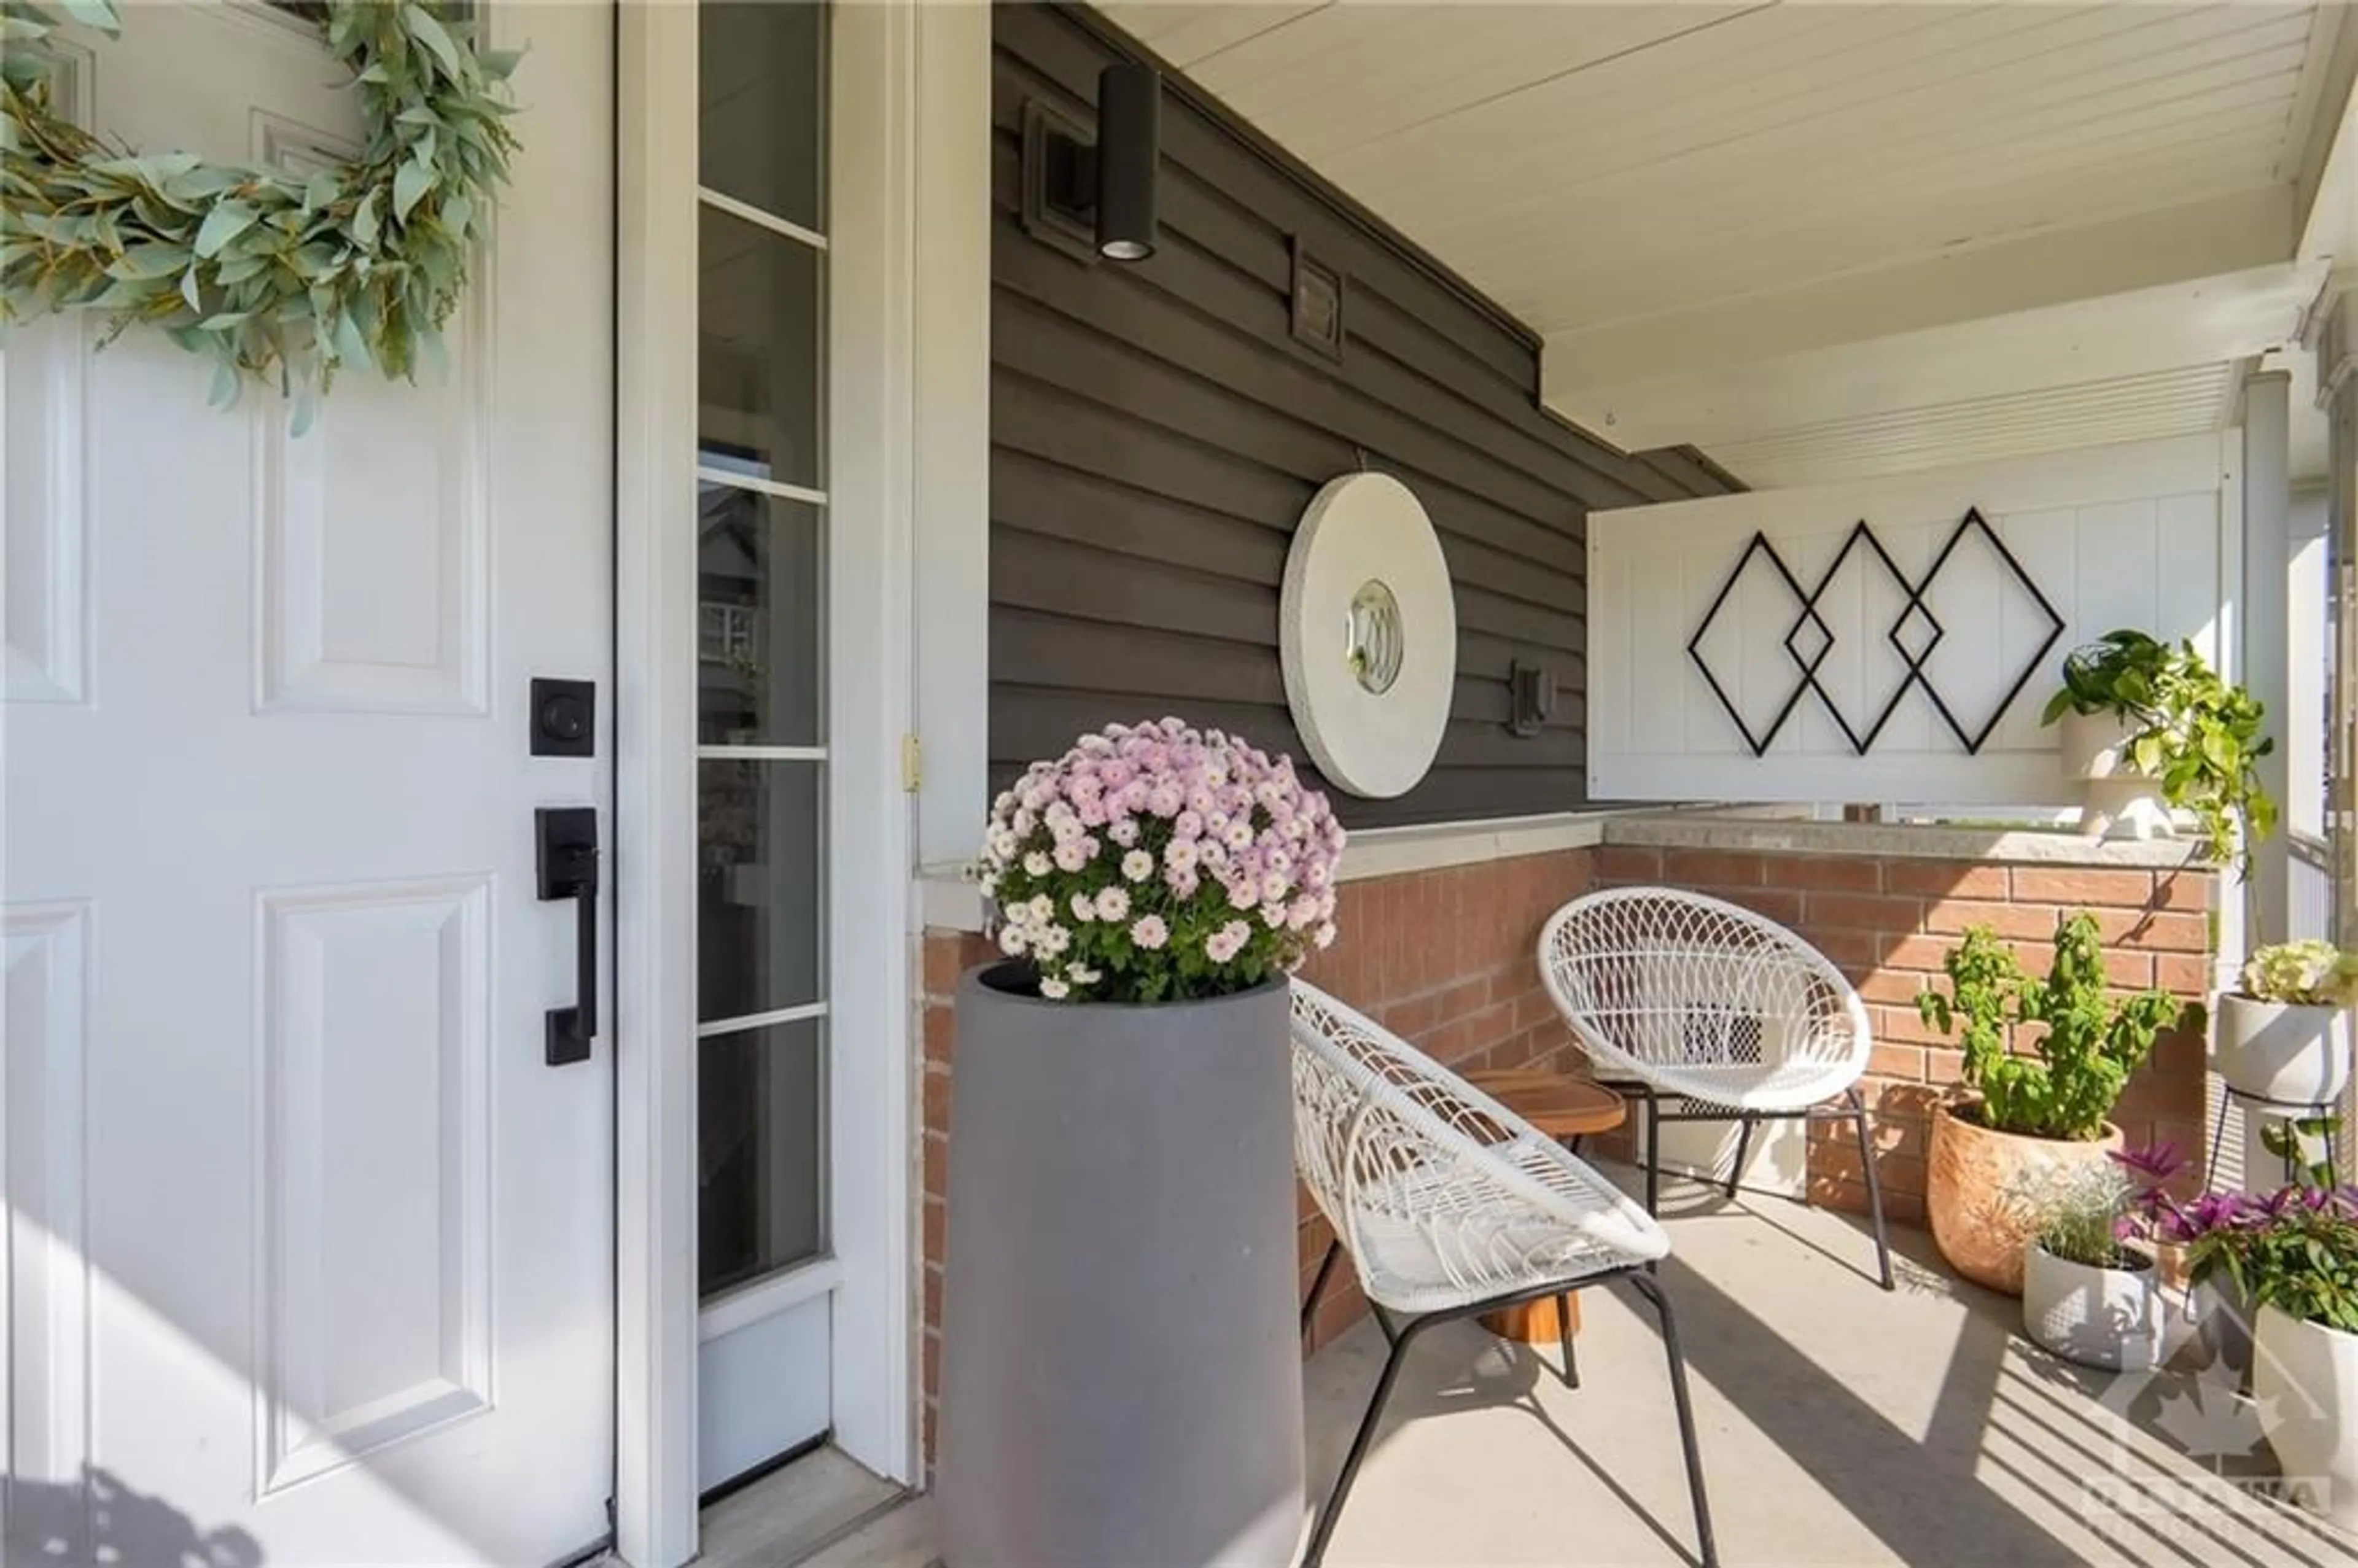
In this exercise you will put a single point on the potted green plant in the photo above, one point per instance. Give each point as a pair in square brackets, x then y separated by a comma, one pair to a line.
[2296, 1265]
[1121, 1161]
[2030, 1116]
[2284, 1034]
[2087, 1295]
[2145, 721]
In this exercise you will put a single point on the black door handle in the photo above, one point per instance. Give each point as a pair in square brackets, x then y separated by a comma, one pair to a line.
[567, 841]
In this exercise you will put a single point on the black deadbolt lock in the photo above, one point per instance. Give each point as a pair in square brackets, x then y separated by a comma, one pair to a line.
[564, 719]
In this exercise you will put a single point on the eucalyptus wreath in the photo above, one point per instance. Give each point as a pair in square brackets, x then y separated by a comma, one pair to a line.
[276, 278]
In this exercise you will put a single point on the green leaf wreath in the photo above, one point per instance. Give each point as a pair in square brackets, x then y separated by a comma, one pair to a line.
[278, 279]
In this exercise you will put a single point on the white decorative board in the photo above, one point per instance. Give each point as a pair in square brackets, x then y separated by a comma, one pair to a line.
[1888, 640]
[1368, 632]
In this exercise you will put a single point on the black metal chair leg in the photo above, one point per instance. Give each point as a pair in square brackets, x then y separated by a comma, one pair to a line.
[2218, 1141]
[1653, 1160]
[1318, 1288]
[1874, 1187]
[1652, 1291]
[1653, 1155]
[1323, 1529]
[1571, 1373]
[1743, 1145]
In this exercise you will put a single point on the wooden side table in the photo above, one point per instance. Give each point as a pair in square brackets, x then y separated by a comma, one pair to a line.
[1563, 1108]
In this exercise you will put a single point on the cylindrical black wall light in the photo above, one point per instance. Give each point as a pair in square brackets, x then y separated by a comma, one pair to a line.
[1130, 148]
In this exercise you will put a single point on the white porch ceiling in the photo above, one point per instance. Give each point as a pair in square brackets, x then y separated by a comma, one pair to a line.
[1671, 191]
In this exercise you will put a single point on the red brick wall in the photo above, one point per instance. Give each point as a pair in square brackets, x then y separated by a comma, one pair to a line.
[1446, 959]
[1888, 922]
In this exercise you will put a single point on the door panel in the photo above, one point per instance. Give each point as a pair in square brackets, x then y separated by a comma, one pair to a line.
[309, 1254]
[375, 1241]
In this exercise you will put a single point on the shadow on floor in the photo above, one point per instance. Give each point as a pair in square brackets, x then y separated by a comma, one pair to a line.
[1840, 1425]
[101, 1520]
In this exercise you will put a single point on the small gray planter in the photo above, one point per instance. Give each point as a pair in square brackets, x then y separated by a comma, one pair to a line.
[2109, 1318]
[1122, 1378]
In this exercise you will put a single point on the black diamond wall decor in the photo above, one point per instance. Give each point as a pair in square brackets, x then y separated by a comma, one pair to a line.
[1974, 525]
[1914, 633]
[1759, 743]
[1860, 741]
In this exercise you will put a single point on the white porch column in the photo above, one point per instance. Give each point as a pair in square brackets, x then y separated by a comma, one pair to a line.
[2265, 620]
[2309, 651]
[2337, 355]
[2339, 395]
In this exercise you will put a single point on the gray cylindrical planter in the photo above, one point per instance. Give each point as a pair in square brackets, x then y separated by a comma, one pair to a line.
[1121, 1379]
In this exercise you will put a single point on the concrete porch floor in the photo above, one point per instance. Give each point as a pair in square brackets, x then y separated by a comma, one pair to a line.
[1839, 1425]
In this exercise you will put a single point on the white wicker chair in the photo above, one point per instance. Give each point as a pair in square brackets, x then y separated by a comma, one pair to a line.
[1451, 1206]
[1723, 1012]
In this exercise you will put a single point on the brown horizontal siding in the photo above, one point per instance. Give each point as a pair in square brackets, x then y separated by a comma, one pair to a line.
[1156, 434]
[1042, 51]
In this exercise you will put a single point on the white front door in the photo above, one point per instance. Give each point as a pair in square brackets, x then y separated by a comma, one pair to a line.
[309, 1254]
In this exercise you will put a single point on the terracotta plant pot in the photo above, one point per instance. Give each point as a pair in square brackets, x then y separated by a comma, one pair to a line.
[1973, 1189]
[2173, 1269]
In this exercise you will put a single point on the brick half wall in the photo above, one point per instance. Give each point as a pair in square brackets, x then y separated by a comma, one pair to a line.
[1447, 959]
[1888, 920]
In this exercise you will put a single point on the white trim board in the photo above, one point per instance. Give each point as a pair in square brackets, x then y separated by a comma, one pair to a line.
[655, 730]
[949, 451]
[1718, 401]
[874, 225]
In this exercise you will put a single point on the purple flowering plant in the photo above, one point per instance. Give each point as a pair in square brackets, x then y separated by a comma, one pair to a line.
[2296, 1249]
[1156, 862]
[2154, 1214]
[2296, 1252]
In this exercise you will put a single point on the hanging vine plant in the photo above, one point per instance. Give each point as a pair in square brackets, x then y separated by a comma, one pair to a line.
[276, 279]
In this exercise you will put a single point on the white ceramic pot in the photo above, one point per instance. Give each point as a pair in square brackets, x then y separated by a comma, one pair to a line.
[2274, 1050]
[2116, 800]
[2109, 1318]
[2305, 1381]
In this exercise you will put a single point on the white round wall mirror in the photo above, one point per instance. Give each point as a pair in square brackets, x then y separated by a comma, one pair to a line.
[1367, 633]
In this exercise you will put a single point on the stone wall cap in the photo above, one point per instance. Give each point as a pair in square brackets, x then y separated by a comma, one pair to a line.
[1999, 846]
